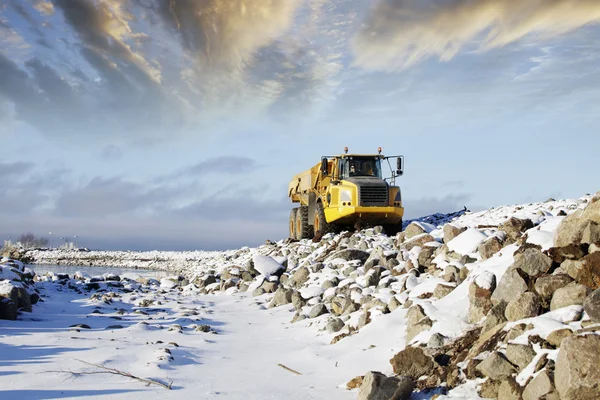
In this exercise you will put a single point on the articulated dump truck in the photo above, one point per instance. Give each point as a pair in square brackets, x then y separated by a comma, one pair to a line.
[347, 191]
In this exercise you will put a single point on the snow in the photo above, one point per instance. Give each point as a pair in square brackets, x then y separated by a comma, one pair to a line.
[467, 242]
[485, 280]
[266, 265]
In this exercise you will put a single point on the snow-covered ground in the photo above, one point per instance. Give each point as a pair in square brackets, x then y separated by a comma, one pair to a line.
[331, 311]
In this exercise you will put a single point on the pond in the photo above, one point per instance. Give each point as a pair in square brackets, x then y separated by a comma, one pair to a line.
[41, 269]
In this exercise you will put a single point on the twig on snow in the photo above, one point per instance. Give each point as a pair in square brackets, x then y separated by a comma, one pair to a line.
[289, 369]
[113, 371]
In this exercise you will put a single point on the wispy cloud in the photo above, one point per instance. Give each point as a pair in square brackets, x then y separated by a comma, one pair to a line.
[400, 33]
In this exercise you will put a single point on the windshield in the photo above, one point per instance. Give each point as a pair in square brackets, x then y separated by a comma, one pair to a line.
[360, 166]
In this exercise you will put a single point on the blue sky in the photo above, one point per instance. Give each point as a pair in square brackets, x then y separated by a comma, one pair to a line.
[147, 124]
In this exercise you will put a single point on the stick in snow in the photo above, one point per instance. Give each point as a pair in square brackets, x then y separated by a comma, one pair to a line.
[289, 369]
[112, 371]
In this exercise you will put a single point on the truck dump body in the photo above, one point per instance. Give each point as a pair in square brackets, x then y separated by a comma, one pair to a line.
[341, 192]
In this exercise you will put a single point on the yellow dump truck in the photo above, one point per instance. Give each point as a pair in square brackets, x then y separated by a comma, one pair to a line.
[344, 192]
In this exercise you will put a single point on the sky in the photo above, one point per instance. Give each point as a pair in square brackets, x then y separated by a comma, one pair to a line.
[177, 124]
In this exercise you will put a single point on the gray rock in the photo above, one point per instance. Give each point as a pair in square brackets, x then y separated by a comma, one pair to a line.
[419, 241]
[556, 337]
[282, 297]
[297, 301]
[533, 262]
[8, 309]
[258, 292]
[519, 354]
[489, 389]
[526, 305]
[406, 385]
[300, 276]
[496, 367]
[547, 285]
[585, 271]
[515, 227]
[334, 325]
[572, 294]
[393, 304]
[510, 390]
[377, 386]
[414, 229]
[451, 274]
[591, 233]
[349, 255]
[591, 305]
[317, 311]
[416, 322]
[364, 319]
[511, 286]
[480, 298]
[490, 247]
[437, 340]
[539, 387]
[577, 376]
[442, 291]
[413, 362]
[495, 317]
[451, 231]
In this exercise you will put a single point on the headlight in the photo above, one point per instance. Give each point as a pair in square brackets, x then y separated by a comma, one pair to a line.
[346, 195]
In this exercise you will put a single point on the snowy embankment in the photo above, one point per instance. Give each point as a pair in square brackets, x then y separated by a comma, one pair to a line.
[499, 304]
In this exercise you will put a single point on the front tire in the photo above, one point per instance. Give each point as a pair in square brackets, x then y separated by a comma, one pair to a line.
[320, 223]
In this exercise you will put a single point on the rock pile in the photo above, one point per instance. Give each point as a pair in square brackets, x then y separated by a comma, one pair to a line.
[16, 291]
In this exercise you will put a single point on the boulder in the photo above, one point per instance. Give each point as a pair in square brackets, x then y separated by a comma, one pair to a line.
[490, 247]
[334, 325]
[515, 227]
[495, 317]
[570, 230]
[282, 297]
[570, 252]
[300, 276]
[412, 362]
[525, 305]
[585, 271]
[577, 376]
[591, 305]
[496, 367]
[591, 233]
[416, 322]
[317, 311]
[539, 387]
[547, 285]
[451, 231]
[570, 295]
[414, 229]
[442, 291]
[349, 255]
[511, 286]
[520, 354]
[489, 389]
[510, 390]
[480, 294]
[377, 386]
[556, 337]
[267, 266]
[533, 262]
[8, 308]
[419, 241]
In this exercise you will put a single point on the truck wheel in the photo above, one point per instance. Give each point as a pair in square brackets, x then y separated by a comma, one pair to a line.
[320, 223]
[293, 213]
[393, 229]
[303, 229]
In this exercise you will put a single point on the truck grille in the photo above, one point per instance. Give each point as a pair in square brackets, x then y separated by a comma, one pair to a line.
[374, 196]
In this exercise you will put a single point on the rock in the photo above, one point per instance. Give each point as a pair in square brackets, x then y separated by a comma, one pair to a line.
[496, 367]
[451, 274]
[425, 256]
[349, 255]
[355, 382]
[591, 305]
[577, 376]
[334, 325]
[282, 297]
[451, 231]
[297, 300]
[539, 387]
[520, 354]
[489, 389]
[317, 311]
[364, 319]
[258, 292]
[377, 386]
[417, 241]
[585, 271]
[533, 262]
[267, 266]
[572, 294]
[442, 291]
[406, 385]
[556, 337]
[414, 229]
[416, 322]
[490, 247]
[510, 287]
[591, 233]
[412, 362]
[510, 390]
[570, 252]
[436, 341]
[8, 309]
[300, 276]
[495, 317]
[516, 331]
[570, 230]
[269, 287]
[515, 227]
[393, 304]
[547, 285]
[480, 294]
[526, 305]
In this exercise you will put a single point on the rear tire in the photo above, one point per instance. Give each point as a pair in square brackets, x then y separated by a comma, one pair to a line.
[320, 223]
[393, 229]
[293, 213]
[303, 229]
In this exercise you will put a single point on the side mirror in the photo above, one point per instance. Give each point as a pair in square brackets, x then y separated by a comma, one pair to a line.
[324, 166]
[399, 166]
